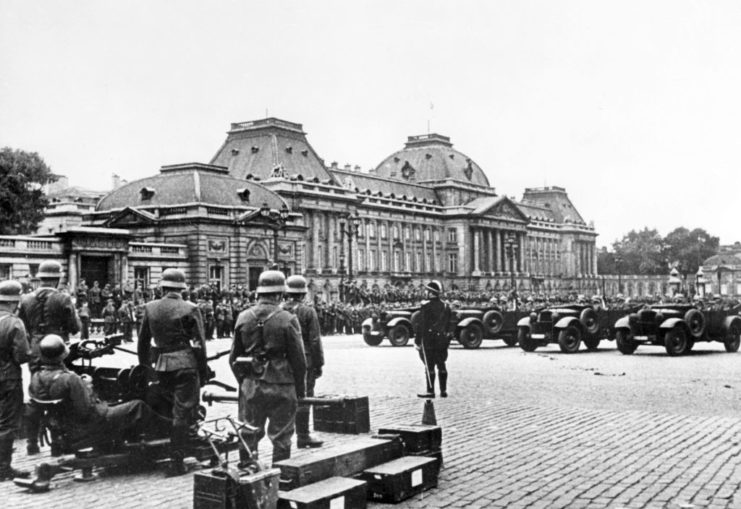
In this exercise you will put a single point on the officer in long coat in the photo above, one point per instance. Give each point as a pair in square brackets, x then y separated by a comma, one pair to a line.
[14, 351]
[45, 311]
[432, 339]
[180, 365]
[272, 375]
[309, 322]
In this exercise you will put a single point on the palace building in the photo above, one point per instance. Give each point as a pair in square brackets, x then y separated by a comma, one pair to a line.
[426, 211]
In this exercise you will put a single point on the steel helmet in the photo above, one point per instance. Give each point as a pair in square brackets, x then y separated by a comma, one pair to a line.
[49, 269]
[53, 349]
[10, 291]
[435, 287]
[296, 285]
[271, 281]
[173, 278]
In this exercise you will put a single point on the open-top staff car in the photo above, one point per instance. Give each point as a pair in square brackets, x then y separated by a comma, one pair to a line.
[471, 326]
[677, 327]
[568, 325]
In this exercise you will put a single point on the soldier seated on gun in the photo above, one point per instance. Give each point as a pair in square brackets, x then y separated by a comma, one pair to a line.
[83, 417]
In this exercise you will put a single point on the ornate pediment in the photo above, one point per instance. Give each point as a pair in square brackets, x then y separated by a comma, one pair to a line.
[506, 209]
[130, 217]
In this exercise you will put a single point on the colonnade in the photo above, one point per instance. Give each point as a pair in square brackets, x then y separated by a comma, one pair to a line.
[493, 253]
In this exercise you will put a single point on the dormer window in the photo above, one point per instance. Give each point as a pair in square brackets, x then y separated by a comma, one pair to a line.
[146, 193]
[235, 151]
[244, 195]
[305, 153]
[255, 150]
[289, 150]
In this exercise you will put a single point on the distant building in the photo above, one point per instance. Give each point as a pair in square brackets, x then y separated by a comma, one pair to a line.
[426, 211]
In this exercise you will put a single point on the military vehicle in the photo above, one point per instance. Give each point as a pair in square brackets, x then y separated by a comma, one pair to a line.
[677, 327]
[568, 325]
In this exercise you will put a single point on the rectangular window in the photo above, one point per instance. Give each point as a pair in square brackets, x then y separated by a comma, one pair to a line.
[428, 263]
[335, 259]
[141, 277]
[437, 235]
[395, 231]
[418, 262]
[417, 234]
[397, 261]
[384, 261]
[4, 271]
[320, 257]
[383, 231]
[216, 276]
[407, 233]
[373, 262]
[371, 230]
[452, 235]
[360, 230]
[427, 234]
[361, 260]
[453, 262]
[407, 261]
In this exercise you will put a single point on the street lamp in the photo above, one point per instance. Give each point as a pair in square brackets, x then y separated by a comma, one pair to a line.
[351, 230]
[277, 221]
[510, 244]
[618, 267]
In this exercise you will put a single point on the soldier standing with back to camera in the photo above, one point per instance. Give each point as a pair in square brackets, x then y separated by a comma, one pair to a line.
[307, 319]
[14, 351]
[45, 311]
[432, 339]
[271, 383]
[180, 366]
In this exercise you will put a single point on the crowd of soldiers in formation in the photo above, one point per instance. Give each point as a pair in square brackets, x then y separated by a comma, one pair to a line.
[121, 307]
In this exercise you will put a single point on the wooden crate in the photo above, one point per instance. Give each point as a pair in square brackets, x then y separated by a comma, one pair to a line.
[416, 437]
[218, 490]
[332, 493]
[343, 460]
[401, 478]
[342, 414]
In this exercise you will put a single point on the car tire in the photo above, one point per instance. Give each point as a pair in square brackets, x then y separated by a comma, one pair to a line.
[695, 321]
[592, 343]
[471, 336]
[372, 340]
[527, 343]
[675, 341]
[589, 320]
[493, 321]
[733, 339]
[399, 335]
[510, 340]
[625, 343]
[569, 339]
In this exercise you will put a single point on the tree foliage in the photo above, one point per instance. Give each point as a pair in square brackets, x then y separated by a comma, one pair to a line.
[22, 199]
[647, 252]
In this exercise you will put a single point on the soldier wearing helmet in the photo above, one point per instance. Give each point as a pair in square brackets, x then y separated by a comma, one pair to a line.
[432, 339]
[82, 415]
[14, 351]
[176, 326]
[309, 321]
[46, 311]
[268, 360]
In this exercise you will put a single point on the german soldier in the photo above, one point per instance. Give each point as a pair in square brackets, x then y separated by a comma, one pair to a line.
[180, 366]
[45, 311]
[309, 322]
[432, 339]
[274, 376]
[14, 351]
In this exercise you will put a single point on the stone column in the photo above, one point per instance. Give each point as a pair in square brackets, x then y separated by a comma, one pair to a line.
[475, 236]
[315, 227]
[72, 273]
[498, 250]
[523, 245]
[378, 245]
[595, 257]
[433, 269]
[366, 237]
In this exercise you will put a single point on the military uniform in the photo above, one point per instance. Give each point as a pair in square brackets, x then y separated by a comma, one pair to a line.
[173, 323]
[270, 395]
[14, 351]
[47, 311]
[309, 323]
[432, 340]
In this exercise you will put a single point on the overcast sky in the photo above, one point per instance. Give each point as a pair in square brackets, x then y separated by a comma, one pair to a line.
[633, 106]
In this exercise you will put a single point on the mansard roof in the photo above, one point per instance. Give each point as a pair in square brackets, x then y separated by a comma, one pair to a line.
[555, 200]
[268, 148]
[431, 158]
[190, 183]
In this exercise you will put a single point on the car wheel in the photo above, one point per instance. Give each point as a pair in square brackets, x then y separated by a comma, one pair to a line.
[510, 340]
[675, 341]
[733, 339]
[569, 339]
[625, 343]
[695, 322]
[526, 341]
[371, 340]
[591, 343]
[493, 321]
[589, 320]
[471, 336]
[399, 335]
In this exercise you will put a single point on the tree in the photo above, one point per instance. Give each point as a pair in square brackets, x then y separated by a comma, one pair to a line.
[687, 249]
[22, 200]
[640, 252]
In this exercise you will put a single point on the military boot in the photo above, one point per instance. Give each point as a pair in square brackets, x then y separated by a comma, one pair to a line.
[430, 387]
[281, 453]
[443, 384]
[303, 439]
[7, 472]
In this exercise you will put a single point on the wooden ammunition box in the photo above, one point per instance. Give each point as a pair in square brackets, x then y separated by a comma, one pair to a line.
[343, 460]
[401, 478]
[343, 414]
[217, 490]
[416, 437]
[332, 493]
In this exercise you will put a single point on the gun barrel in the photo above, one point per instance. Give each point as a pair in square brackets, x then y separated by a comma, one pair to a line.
[210, 397]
